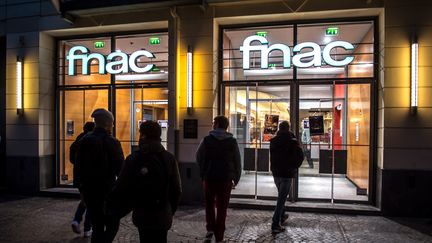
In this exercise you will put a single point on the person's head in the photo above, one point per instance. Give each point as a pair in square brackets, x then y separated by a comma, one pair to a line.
[103, 119]
[220, 122]
[150, 130]
[284, 126]
[88, 127]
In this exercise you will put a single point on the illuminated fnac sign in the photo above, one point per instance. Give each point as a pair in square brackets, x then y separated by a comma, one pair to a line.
[298, 58]
[115, 63]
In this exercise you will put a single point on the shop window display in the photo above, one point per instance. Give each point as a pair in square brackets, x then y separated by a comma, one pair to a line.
[128, 95]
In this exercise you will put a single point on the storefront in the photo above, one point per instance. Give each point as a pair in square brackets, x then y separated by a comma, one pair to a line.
[319, 76]
[351, 77]
[124, 73]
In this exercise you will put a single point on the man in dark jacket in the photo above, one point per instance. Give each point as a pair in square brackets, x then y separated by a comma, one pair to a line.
[218, 157]
[99, 159]
[286, 157]
[88, 127]
[149, 183]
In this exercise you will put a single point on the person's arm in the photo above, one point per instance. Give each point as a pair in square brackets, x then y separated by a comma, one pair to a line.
[118, 157]
[124, 181]
[200, 156]
[175, 186]
[237, 163]
[73, 152]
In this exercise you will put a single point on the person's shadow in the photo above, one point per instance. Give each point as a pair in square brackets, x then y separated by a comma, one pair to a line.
[80, 239]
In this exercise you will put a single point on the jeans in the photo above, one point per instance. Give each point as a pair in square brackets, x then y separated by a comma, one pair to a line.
[283, 186]
[105, 227]
[216, 193]
[81, 209]
[307, 154]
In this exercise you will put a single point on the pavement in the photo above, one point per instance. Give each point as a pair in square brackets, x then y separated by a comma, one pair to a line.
[45, 219]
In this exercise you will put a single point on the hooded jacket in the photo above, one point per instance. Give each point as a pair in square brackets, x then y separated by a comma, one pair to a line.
[145, 216]
[218, 157]
[73, 149]
[285, 155]
[99, 160]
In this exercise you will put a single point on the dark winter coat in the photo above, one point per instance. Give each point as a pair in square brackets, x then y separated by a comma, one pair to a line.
[149, 216]
[73, 149]
[284, 155]
[218, 157]
[99, 160]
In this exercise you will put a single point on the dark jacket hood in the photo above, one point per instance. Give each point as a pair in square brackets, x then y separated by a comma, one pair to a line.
[220, 134]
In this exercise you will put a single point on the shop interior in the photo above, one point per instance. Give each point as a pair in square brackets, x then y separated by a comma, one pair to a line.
[134, 97]
[333, 113]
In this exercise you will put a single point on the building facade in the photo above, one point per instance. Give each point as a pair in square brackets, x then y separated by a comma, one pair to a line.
[352, 78]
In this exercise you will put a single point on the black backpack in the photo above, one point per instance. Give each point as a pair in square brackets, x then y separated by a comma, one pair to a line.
[151, 180]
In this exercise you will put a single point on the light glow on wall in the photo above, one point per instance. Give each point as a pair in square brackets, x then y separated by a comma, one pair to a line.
[19, 85]
[414, 75]
[189, 83]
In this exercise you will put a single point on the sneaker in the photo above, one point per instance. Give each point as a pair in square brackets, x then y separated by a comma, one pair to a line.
[75, 227]
[284, 218]
[277, 230]
[88, 234]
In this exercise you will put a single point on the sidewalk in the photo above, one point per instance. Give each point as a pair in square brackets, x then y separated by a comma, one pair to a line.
[41, 219]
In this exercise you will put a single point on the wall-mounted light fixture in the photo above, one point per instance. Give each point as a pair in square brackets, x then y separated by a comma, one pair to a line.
[414, 75]
[19, 86]
[189, 84]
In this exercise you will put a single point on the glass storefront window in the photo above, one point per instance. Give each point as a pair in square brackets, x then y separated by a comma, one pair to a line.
[155, 43]
[133, 97]
[327, 96]
[233, 58]
[338, 153]
[75, 110]
[359, 34]
[135, 106]
[78, 79]
[254, 113]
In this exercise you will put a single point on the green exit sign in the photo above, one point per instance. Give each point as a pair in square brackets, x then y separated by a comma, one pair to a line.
[154, 41]
[99, 44]
[332, 31]
[261, 33]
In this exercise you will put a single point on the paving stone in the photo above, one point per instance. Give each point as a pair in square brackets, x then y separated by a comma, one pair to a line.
[48, 220]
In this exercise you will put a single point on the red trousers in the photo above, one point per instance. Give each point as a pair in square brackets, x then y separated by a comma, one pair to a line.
[216, 194]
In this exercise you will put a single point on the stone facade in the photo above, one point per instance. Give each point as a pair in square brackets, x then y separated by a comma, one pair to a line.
[403, 152]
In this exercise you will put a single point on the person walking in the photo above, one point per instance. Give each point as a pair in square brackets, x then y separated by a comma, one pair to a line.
[286, 156]
[218, 157]
[149, 184]
[99, 159]
[81, 209]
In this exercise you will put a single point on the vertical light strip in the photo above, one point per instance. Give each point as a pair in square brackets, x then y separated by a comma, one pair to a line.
[414, 75]
[189, 79]
[19, 85]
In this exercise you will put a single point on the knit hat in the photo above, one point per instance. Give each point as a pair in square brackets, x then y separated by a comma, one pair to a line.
[102, 117]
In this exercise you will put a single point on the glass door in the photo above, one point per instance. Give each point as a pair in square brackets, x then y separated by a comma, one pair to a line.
[334, 128]
[76, 107]
[255, 112]
[135, 105]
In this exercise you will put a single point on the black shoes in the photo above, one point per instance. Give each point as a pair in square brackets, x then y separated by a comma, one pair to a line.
[208, 237]
[278, 229]
[284, 219]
